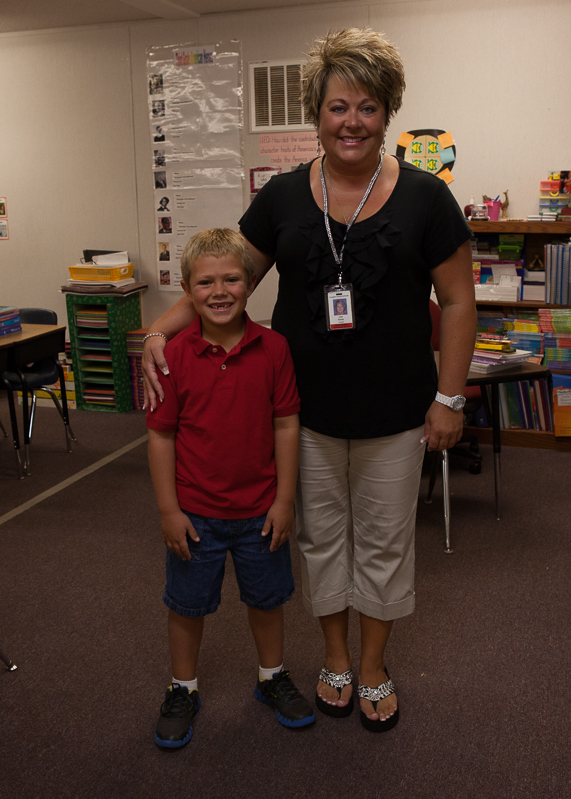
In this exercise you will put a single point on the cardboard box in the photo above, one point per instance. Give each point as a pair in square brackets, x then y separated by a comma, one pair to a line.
[562, 405]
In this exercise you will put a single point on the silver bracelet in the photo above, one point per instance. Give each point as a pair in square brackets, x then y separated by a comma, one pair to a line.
[150, 335]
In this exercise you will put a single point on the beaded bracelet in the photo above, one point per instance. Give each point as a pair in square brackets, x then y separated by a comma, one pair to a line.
[150, 335]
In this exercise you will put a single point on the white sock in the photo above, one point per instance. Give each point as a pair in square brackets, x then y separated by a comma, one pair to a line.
[192, 685]
[267, 674]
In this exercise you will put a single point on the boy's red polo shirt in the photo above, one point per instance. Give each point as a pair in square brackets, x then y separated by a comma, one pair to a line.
[221, 406]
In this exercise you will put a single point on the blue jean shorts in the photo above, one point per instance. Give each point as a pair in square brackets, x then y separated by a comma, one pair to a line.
[264, 578]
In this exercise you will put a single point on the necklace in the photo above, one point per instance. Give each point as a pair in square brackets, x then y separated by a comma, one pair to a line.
[337, 199]
[339, 256]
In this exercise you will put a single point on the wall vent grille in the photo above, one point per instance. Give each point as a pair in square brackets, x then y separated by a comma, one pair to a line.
[275, 102]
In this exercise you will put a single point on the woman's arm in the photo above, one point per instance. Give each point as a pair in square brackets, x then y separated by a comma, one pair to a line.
[454, 286]
[172, 322]
[169, 324]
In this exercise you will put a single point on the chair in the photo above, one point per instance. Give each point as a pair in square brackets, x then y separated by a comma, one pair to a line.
[473, 396]
[39, 375]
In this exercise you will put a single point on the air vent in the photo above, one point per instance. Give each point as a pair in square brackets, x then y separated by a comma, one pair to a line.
[275, 101]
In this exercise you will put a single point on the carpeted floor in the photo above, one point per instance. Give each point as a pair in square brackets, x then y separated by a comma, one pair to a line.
[481, 667]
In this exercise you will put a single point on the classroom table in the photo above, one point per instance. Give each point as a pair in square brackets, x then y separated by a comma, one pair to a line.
[32, 343]
[523, 371]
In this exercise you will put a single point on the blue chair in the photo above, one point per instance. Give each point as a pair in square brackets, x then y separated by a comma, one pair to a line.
[39, 375]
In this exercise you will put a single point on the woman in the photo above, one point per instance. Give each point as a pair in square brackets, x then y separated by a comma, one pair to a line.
[360, 225]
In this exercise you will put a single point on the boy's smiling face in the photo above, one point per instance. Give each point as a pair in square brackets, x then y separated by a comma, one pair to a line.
[219, 290]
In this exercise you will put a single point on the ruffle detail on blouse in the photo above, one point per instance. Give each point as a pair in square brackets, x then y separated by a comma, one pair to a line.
[365, 262]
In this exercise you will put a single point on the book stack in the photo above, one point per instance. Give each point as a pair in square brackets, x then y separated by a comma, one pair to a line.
[558, 274]
[524, 333]
[495, 353]
[533, 284]
[556, 326]
[135, 355]
[490, 322]
[498, 292]
[9, 320]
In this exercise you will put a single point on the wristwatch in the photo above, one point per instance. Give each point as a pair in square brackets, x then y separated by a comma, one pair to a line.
[456, 403]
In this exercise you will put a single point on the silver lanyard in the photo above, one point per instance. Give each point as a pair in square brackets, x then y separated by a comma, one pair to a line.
[339, 256]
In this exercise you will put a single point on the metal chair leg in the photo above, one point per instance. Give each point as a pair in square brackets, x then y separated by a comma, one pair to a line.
[3, 429]
[11, 666]
[433, 472]
[446, 496]
[69, 437]
[436, 461]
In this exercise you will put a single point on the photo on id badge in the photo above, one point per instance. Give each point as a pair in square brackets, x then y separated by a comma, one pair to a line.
[338, 303]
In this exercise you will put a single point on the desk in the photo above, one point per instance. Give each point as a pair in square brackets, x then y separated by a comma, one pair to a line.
[30, 344]
[523, 371]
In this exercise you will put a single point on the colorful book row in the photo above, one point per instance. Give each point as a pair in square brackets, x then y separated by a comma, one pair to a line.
[525, 405]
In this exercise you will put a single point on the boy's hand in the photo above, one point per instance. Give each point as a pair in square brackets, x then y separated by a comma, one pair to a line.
[281, 518]
[175, 527]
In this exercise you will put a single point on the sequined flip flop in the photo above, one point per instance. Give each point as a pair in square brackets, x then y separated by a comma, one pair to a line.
[338, 681]
[375, 695]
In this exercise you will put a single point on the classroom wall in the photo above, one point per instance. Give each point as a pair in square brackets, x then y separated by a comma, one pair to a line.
[75, 150]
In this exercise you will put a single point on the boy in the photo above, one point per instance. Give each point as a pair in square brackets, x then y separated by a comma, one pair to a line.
[223, 452]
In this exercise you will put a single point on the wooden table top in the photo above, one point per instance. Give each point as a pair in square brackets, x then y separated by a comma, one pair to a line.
[27, 333]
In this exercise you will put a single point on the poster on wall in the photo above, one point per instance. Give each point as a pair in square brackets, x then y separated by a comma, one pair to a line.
[4, 233]
[195, 112]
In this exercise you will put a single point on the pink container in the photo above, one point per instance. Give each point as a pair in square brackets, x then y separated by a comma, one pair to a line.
[493, 209]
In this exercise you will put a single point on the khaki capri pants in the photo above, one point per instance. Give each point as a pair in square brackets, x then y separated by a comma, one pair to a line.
[356, 509]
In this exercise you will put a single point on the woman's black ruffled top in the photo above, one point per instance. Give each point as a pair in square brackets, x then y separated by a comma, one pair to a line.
[378, 379]
[365, 262]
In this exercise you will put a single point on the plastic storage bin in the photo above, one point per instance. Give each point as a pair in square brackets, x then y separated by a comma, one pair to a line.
[101, 272]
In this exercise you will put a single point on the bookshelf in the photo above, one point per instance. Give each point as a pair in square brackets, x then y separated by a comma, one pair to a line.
[537, 234]
[97, 329]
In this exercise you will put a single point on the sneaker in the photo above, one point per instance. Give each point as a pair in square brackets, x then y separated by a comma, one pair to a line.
[177, 711]
[292, 709]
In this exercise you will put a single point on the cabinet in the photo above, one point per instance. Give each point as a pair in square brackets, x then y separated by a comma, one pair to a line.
[98, 325]
[537, 235]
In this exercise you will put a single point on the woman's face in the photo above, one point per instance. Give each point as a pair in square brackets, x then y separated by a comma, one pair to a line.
[352, 125]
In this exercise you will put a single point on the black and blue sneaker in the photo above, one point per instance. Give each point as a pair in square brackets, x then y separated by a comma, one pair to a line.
[177, 711]
[292, 709]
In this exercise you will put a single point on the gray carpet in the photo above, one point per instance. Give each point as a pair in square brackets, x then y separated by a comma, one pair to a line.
[481, 667]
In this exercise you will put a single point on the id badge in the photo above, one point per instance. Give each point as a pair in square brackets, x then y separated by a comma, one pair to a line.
[339, 307]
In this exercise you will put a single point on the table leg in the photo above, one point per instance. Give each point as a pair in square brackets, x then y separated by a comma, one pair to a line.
[69, 436]
[497, 446]
[14, 423]
[26, 422]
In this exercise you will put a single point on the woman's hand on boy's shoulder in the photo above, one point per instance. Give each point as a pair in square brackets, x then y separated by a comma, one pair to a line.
[176, 526]
[280, 521]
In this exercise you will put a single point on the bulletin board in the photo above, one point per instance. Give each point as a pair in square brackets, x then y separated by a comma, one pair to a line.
[195, 115]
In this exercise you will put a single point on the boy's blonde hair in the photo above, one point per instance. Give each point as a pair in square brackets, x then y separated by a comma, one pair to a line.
[354, 56]
[218, 241]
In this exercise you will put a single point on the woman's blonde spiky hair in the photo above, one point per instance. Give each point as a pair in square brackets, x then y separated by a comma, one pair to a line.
[356, 56]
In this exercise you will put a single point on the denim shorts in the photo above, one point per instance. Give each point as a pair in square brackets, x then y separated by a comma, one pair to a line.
[264, 578]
